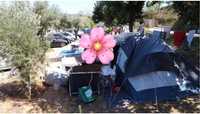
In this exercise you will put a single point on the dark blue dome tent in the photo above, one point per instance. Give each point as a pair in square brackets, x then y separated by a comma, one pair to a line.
[149, 70]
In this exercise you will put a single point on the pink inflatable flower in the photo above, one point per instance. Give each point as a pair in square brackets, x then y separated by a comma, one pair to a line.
[98, 45]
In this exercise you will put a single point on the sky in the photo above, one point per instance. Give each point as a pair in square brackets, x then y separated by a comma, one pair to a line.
[74, 6]
[68, 6]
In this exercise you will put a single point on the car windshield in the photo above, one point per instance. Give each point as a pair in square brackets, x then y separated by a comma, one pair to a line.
[60, 36]
[66, 34]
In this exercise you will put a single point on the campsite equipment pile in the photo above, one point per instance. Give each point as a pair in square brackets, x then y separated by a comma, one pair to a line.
[145, 67]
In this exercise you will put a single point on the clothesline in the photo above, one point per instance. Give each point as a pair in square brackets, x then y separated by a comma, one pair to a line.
[168, 29]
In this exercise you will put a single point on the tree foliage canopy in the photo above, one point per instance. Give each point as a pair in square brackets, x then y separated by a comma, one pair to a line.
[64, 23]
[188, 13]
[49, 16]
[118, 12]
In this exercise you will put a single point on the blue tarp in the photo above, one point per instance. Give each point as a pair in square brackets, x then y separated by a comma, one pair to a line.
[70, 53]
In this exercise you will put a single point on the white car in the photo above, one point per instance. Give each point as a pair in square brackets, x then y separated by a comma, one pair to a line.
[69, 35]
[4, 64]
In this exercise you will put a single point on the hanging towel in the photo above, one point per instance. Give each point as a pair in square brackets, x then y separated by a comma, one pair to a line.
[190, 37]
[167, 30]
[179, 37]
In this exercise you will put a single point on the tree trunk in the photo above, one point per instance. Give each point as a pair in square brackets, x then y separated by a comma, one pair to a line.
[76, 32]
[131, 26]
[29, 88]
[130, 16]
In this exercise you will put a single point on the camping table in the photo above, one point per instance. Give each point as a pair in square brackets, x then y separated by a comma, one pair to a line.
[83, 76]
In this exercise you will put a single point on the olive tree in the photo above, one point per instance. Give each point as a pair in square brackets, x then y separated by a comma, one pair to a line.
[19, 41]
[49, 16]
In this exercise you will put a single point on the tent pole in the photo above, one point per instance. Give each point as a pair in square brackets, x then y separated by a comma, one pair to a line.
[156, 99]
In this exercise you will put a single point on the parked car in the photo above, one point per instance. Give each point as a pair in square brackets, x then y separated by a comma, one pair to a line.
[5, 64]
[60, 36]
[59, 40]
[56, 43]
[70, 35]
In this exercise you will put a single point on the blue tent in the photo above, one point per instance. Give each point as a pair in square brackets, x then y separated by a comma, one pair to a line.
[149, 70]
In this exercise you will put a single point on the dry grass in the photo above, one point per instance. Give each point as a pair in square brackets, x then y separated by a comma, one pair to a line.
[13, 99]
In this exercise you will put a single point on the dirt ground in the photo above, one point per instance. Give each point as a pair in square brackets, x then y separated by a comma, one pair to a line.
[12, 99]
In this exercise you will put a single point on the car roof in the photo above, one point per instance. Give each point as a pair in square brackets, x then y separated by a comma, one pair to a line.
[60, 40]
